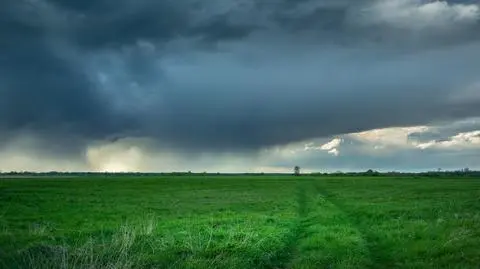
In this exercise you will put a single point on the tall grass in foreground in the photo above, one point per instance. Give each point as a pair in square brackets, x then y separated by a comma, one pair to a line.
[214, 243]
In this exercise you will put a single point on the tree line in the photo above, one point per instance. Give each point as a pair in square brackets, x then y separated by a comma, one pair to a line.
[296, 171]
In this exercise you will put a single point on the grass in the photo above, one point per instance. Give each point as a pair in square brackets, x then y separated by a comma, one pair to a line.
[210, 221]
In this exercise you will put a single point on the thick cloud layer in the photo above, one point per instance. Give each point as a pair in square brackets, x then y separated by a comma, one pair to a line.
[225, 75]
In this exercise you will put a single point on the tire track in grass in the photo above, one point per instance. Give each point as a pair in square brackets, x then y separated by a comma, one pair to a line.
[379, 258]
[325, 238]
[286, 254]
[322, 236]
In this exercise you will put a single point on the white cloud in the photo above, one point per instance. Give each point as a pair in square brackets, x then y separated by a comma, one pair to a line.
[332, 144]
[466, 140]
[426, 145]
[394, 139]
[388, 138]
[414, 14]
[334, 152]
[331, 147]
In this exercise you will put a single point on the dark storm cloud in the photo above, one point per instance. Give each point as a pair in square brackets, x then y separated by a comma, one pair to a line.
[119, 23]
[220, 28]
[227, 75]
[40, 90]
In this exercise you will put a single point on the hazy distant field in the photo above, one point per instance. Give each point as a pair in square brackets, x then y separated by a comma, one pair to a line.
[239, 222]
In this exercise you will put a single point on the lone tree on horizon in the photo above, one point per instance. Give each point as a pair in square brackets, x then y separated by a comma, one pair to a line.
[296, 170]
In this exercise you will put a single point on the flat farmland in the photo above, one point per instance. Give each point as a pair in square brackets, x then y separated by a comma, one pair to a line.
[237, 221]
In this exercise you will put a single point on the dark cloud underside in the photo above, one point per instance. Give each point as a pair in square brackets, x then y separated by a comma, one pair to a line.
[228, 75]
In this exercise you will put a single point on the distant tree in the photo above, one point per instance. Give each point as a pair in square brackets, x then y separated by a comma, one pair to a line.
[371, 172]
[296, 170]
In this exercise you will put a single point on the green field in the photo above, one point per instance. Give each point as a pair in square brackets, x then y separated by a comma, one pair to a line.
[196, 221]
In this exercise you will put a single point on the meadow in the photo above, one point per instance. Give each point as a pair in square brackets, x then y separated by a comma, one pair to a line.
[235, 221]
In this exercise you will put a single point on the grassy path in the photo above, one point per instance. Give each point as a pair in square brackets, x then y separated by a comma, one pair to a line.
[324, 235]
[379, 256]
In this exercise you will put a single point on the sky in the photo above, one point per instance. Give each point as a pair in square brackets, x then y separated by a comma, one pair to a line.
[239, 85]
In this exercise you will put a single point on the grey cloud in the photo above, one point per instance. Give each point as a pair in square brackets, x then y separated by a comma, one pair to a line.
[221, 75]
[356, 155]
[403, 160]
[444, 131]
[40, 90]
[120, 23]
[221, 28]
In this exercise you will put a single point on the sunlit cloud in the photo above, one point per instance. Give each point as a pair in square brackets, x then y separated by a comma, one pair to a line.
[468, 140]
[419, 15]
